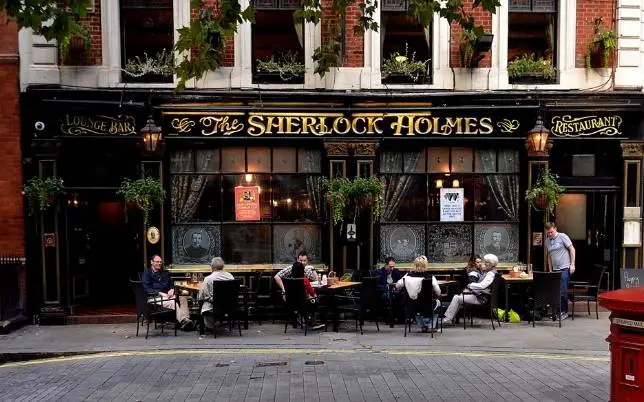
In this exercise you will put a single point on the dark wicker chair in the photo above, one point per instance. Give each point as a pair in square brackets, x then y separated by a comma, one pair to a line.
[492, 305]
[589, 290]
[546, 289]
[226, 305]
[426, 305]
[296, 304]
[151, 311]
[365, 304]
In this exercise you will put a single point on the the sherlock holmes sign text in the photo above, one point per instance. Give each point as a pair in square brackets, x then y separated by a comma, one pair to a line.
[336, 124]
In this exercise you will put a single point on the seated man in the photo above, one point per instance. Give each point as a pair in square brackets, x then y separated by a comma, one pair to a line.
[206, 291]
[481, 291]
[157, 284]
[287, 272]
[389, 274]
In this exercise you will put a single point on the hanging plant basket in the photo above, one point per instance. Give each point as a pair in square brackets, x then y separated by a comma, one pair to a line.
[42, 193]
[142, 194]
[348, 198]
[541, 202]
[545, 194]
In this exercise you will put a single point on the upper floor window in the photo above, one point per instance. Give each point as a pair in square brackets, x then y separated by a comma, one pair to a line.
[278, 43]
[405, 46]
[532, 41]
[147, 37]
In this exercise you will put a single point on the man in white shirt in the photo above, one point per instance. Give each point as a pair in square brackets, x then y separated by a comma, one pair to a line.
[206, 291]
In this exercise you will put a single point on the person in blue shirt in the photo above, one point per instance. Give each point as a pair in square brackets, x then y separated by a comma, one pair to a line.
[158, 285]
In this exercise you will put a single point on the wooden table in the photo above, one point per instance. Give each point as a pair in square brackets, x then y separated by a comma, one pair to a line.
[509, 279]
[332, 291]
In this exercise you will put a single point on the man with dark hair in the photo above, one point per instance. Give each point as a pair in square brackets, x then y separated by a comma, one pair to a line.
[158, 285]
[309, 271]
[561, 258]
[389, 273]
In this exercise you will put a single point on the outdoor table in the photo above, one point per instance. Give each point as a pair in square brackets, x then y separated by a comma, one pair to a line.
[194, 287]
[332, 291]
[509, 280]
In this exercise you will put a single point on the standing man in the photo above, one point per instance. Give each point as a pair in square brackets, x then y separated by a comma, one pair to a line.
[561, 257]
[206, 293]
[309, 271]
[157, 284]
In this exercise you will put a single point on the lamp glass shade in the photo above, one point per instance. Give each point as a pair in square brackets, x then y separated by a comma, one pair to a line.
[538, 137]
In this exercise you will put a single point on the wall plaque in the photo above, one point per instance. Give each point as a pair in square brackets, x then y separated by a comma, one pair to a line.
[584, 126]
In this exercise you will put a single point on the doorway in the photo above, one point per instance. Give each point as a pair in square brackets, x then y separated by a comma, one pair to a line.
[588, 218]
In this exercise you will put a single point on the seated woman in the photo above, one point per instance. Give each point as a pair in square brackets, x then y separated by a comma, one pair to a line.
[473, 269]
[480, 290]
[297, 271]
[413, 282]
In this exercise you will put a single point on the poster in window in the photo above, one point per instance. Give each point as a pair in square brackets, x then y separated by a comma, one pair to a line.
[452, 205]
[247, 203]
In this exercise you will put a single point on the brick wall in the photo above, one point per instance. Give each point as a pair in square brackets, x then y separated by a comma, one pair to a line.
[229, 52]
[587, 11]
[93, 56]
[481, 18]
[354, 44]
[11, 219]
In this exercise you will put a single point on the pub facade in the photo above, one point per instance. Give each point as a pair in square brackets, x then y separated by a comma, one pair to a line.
[242, 172]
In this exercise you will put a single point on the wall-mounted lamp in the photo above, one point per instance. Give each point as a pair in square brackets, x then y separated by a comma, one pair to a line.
[439, 183]
[538, 137]
[289, 201]
[456, 183]
[152, 136]
[248, 177]
[274, 203]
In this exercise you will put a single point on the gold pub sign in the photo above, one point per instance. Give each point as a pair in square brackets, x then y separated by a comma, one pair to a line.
[257, 124]
[98, 125]
[583, 126]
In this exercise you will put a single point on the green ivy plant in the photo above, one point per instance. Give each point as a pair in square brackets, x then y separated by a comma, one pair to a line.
[348, 198]
[545, 193]
[287, 65]
[222, 22]
[143, 193]
[467, 48]
[527, 64]
[42, 193]
[604, 41]
[404, 65]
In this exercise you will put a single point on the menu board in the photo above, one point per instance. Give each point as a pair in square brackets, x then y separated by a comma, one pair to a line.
[632, 278]
[452, 203]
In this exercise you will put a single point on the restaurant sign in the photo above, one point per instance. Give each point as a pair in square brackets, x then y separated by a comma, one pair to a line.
[584, 126]
[97, 125]
[258, 124]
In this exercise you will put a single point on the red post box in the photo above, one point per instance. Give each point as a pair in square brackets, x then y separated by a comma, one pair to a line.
[626, 343]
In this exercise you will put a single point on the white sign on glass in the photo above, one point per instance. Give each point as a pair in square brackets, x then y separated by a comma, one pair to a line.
[452, 203]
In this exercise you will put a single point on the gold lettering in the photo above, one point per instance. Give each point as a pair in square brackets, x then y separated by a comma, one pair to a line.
[471, 126]
[403, 122]
[322, 128]
[372, 126]
[291, 123]
[354, 125]
[450, 124]
[341, 120]
[485, 126]
[423, 125]
[256, 125]
[270, 124]
[308, 122]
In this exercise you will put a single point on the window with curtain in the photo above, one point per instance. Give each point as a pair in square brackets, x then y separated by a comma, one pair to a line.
[403, 36]
[202, 198]
[147, 38]
[410, 221]
[532, 31]
[278, 43]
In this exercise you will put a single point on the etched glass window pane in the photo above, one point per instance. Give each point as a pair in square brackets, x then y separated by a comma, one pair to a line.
[259, 160]
[309, 161]
[499, 239]
[508, 161]
[207, 160]
[496, 198]
[233, 160]
[246, 244]
[391, 162]
[404, 198]
[449, 243]
[195, 198]
[485, 161]
[402, 242]
[284, 160]
[438, 160]
[461, 160]
[414, 162]
[297, 198]
[195, 244]
[182, 162]
[290, 240]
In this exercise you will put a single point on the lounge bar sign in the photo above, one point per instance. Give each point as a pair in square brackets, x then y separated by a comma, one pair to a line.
[98, 125]
[584, 126]
[259, 124]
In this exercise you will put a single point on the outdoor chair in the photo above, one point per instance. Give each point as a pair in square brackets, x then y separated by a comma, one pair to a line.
[492, 305]
[546, 289]
[151, 310]
[296, 303]
[226, 306]
[587, 290]
[427, 304]
[366, 303]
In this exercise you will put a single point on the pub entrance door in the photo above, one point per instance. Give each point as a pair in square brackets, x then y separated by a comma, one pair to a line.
[589, 219]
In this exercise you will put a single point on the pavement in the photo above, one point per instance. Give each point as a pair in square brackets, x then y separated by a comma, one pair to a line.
[108, 362]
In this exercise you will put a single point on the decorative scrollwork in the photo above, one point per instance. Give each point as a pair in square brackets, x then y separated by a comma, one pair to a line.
[508, 126]
[182, 125]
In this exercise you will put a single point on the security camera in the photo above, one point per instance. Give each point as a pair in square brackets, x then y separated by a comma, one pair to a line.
[39, 126]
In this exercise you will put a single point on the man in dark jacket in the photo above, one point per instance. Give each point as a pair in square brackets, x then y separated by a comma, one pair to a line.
[389, 273]
[157, 284]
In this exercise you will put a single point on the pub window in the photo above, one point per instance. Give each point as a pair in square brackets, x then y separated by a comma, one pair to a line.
[204, 204]
[278, 43]
[405, 46]
[532, 41]
[411, 222]
[147, 38]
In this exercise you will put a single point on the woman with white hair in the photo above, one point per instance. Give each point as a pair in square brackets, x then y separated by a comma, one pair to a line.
[413, 282]
[481, 290]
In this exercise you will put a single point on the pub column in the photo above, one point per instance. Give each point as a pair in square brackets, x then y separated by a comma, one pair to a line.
[632, 153]
[338, 154]
[365, 155]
